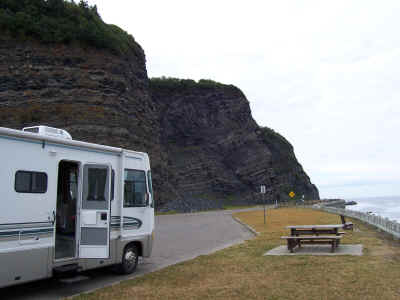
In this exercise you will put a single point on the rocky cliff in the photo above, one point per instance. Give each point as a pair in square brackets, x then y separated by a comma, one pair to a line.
[216, 151]
[95, 95]
[204, 146]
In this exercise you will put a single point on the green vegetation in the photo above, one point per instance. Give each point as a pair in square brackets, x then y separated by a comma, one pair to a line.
[242, 272]
[176, 83]
[60, 21]
[224, 207]
[269, 134]
[163, 213]
[233, 207]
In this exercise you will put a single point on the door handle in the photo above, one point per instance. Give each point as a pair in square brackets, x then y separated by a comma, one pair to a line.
[54, 218]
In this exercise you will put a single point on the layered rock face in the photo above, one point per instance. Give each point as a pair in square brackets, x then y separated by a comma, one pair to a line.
[95, 95]
[205, 148]
[217, 151]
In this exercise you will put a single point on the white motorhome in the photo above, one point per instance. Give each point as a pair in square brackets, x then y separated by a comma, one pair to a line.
[68, 205]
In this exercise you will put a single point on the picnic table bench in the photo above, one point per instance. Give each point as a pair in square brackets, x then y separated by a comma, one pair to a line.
[314, 234]
[346, 225]
[293, 241]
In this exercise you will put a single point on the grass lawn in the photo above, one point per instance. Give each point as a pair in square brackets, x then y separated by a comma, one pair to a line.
[242, 272]
[225, 207]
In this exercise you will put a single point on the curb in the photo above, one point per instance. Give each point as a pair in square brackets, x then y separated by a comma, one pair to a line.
[249, 228]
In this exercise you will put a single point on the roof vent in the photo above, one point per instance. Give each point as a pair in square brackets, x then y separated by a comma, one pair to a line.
[49, 131]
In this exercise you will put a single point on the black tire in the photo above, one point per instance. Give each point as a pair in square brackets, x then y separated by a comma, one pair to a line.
[130, 259]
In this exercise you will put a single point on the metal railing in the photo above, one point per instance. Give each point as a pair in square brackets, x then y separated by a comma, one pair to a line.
[384, 224]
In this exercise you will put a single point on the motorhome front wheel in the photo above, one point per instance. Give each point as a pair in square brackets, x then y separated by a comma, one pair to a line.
[129, 260]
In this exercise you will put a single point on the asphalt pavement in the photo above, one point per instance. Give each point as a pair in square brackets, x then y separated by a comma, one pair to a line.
[178, 238]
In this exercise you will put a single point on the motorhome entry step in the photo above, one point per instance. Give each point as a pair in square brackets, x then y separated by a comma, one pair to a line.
[71, 268]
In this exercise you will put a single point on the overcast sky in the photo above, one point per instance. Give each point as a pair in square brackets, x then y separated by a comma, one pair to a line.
[324, 74]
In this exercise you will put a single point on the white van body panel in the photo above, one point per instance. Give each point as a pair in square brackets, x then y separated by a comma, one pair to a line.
[29, 221]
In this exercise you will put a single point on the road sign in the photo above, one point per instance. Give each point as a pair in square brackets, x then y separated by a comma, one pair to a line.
[263, 189]
[292, 194]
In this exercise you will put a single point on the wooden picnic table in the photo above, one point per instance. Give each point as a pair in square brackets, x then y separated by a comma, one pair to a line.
[314, 234]
[297, 230]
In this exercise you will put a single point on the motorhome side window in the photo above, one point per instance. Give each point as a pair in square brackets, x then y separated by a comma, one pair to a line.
[134, 188]
[97, 178]
[30, 182]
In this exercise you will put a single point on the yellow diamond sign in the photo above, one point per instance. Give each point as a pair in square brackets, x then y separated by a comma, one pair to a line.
[292, 194]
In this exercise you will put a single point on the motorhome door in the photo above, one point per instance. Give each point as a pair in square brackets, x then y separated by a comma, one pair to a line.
[95, 212]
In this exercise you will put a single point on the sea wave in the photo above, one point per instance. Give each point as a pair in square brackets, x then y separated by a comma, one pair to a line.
[388, 207]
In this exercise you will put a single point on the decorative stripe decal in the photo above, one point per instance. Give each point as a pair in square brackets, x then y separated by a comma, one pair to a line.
[15, 230]
[22, 233]
[12, 226]
[129, 222]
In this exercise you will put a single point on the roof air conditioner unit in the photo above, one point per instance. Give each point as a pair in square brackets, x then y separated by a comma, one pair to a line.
[48, 131]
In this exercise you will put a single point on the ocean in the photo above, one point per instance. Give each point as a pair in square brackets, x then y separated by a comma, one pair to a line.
[388, 207]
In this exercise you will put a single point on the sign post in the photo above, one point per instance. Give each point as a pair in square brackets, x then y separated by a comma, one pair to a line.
[291, 195]
[263, 190]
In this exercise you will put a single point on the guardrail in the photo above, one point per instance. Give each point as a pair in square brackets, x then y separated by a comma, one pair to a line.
[384, 224]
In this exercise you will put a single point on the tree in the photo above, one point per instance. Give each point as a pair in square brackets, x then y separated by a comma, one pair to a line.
[84, 4]
[55, 7]
[62, 21]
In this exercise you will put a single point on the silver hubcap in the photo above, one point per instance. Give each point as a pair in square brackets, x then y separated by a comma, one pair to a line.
[130, 258]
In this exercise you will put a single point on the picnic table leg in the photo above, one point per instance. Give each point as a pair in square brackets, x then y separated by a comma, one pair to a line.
[290, 244]
[333, 246]
[337, 233]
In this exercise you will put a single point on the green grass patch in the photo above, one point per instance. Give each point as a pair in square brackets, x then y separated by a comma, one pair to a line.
[242, 272]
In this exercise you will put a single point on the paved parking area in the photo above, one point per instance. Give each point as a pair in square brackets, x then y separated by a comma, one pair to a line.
[177, 238]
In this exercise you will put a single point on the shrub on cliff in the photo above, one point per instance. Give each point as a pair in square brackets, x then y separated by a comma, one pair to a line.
[60, 21]
[269, 135]
[176, 83]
